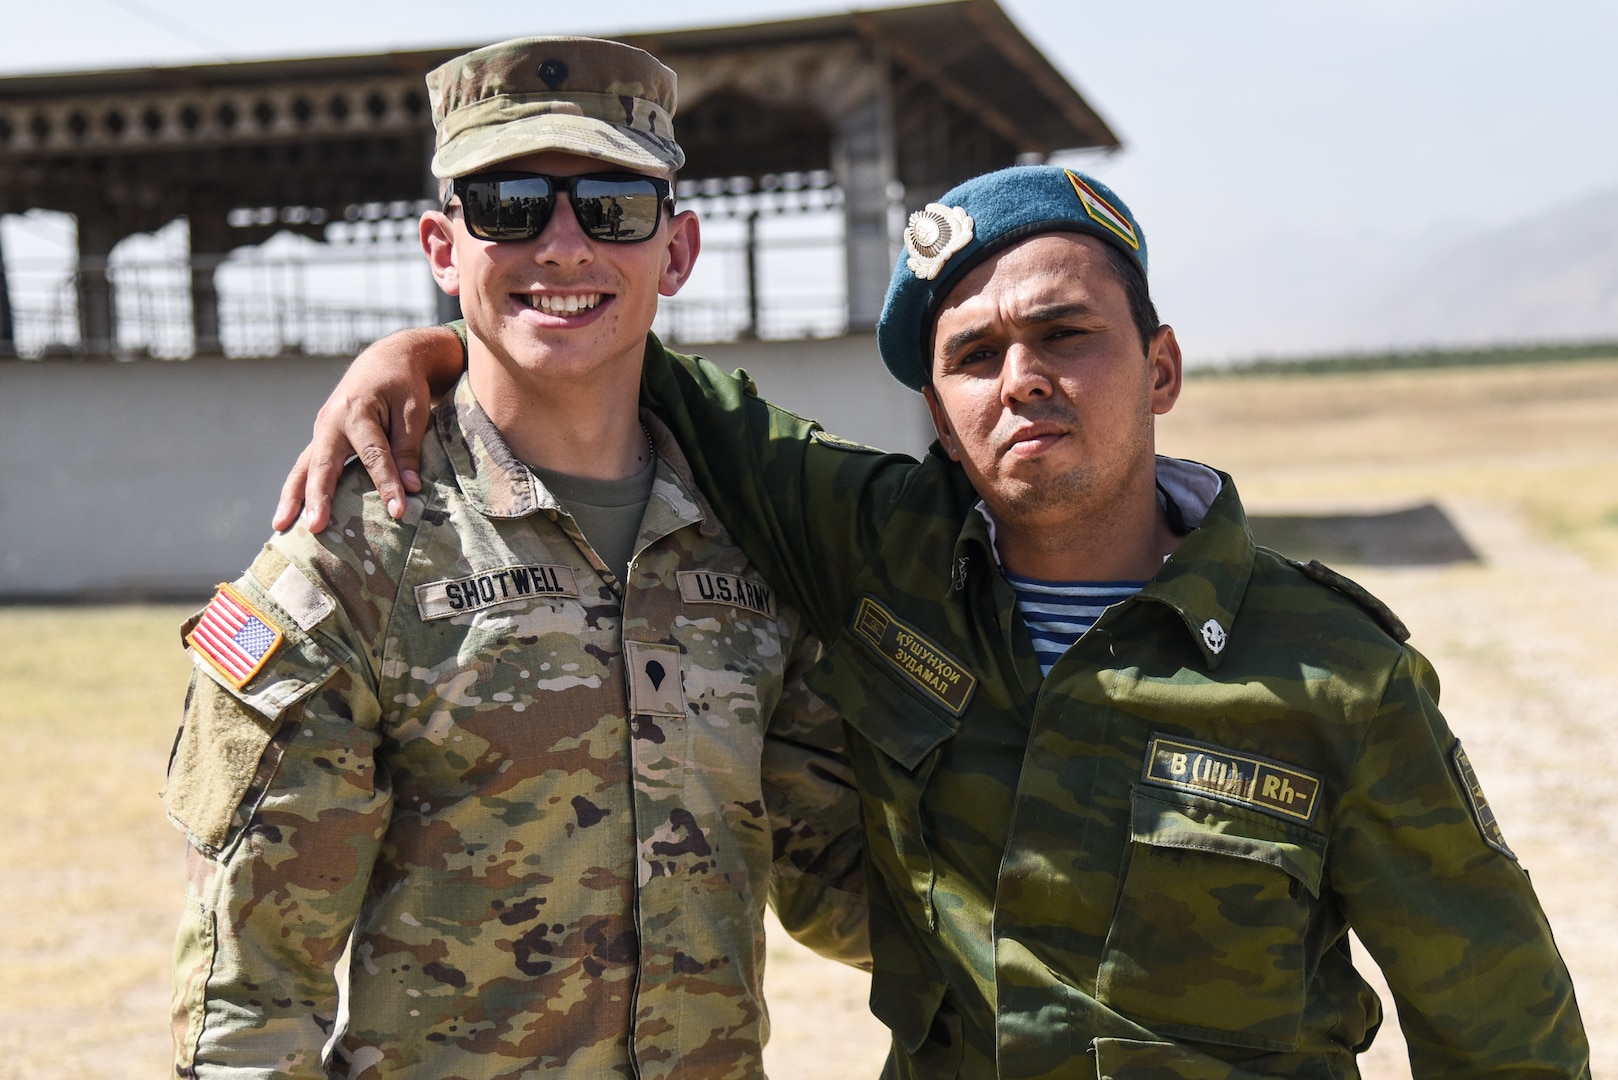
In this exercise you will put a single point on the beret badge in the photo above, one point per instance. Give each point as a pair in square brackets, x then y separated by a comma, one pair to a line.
[933, 234]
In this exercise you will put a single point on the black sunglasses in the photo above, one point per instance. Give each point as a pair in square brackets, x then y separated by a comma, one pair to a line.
[619, 208]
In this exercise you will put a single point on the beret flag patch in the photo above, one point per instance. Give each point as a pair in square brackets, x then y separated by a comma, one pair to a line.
[1102, 212]
[234, 636]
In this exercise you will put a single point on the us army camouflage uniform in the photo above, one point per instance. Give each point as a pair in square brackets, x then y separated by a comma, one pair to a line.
[541, 811]
[1145, 864]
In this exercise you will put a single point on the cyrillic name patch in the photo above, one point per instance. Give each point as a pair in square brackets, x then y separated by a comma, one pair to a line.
[1254, 782]
[1488, 825]
[492, 589]
[917, 658]
[1102, 212]
[234, 636]
[706, 587]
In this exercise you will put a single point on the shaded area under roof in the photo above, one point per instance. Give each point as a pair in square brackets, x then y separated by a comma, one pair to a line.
[890, 106]
[966, 55]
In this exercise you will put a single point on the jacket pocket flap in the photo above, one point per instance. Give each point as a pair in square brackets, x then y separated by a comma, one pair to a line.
[1193, 824]
[895, 719]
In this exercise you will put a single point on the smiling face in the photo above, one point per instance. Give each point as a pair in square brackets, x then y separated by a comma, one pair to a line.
[561, 305]
[1042, 389]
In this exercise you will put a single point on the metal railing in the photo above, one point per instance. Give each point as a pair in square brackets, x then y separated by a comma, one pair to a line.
[762, 274]
[269, 300]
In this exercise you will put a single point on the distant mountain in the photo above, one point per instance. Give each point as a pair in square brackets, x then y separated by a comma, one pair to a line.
[1551, 277]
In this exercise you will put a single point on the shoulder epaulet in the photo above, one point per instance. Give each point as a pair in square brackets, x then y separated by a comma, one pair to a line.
[749, 387]
[826, 438]
[1316, 570]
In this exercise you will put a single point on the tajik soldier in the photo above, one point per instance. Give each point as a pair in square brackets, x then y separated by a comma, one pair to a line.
[1129, 781]
[531, 751]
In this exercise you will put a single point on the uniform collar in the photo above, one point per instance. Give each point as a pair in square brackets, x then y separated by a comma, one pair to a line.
[675, 501]
[501, 486]
[974, 544]
[1206, 578]
[1203, 581]
[489, 474]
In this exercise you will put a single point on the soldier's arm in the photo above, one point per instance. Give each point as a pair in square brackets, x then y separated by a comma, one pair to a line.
[275, 784]
[1428, 882]
[806, 507]
[378, 411]
[817, 877]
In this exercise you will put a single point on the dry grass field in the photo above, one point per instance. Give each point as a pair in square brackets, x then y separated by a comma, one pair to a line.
[1521, 460]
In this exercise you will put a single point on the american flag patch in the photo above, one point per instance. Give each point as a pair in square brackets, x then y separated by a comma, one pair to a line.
[234, 636]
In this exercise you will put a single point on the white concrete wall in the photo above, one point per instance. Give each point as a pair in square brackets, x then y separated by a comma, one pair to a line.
[145, 478]
[154, 479]
[839, 381]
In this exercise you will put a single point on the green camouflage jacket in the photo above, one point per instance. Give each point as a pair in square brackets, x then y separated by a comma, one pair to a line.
[1147, 863]
[548, 815]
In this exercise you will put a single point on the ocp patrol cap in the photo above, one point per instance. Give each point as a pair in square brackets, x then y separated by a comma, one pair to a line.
[975, 220]
[600, 99]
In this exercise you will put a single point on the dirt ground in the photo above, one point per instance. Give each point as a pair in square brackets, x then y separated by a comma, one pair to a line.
[1521, 461]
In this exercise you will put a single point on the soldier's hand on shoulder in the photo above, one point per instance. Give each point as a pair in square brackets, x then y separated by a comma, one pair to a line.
[378, 412]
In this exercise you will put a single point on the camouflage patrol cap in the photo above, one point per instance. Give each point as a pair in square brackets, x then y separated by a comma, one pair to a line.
[601, 99]
[974, 221]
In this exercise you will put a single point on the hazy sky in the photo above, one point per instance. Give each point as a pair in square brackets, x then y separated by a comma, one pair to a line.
[1253, 129]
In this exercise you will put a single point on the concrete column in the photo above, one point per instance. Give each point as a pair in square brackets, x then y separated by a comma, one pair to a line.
[8, 327]
[863, 162]
[98, 314]
[752, 328]
[210, 243]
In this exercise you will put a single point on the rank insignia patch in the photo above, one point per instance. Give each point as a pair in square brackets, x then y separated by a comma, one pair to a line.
[923, 664]
[234, 636]
[656, 687]
[1254, 782]
[1488, 825]
[1101, 211]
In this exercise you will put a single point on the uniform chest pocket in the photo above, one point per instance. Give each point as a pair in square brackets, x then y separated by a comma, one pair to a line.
[1207, 938]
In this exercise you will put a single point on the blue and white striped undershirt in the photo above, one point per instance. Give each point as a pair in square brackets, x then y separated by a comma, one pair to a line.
[1058, 613]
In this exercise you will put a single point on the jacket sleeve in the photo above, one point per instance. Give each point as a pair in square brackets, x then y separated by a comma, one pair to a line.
[1431, 887]
[806, 507]
[817, 876]
[275, 784]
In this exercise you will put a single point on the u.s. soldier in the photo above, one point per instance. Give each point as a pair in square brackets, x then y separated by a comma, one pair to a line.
[534, 752]
[1128, 780]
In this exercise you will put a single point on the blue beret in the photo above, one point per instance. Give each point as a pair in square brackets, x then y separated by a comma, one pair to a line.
[973, 221]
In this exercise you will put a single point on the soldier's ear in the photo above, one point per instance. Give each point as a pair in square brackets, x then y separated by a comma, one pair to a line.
[941, 424]
[1163, 353]
[438, 241]
[685, 241]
